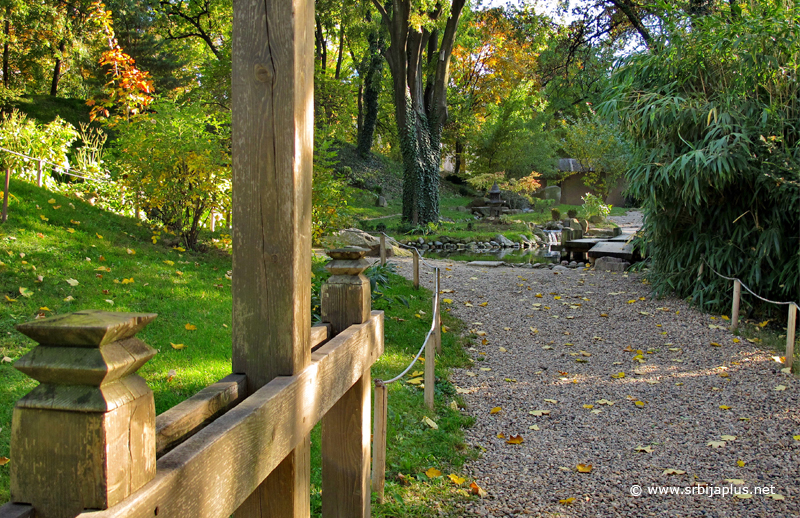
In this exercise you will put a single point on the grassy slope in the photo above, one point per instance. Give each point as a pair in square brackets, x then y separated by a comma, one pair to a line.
[200, 295]
[45, 108]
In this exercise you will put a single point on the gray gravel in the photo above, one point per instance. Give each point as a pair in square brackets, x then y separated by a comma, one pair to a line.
[681, 383]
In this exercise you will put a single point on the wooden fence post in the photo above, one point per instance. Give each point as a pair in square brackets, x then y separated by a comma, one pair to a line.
[272, 149]
[737, 296]
[437, 311]
[346, 300]
[415, 255]
[84, 438]
[430, 349]
[4, 216]
[39, 173]
[383, 250]
[379, 440]
[790, 329]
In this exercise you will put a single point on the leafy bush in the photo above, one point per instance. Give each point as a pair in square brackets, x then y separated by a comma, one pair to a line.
[330, 201]
[540, 205]
[593, 206]
[555, 214]
[175, 164]
[572, 213]
[713, 113]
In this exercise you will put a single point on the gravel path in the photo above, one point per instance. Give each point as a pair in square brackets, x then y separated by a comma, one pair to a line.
[683, 394]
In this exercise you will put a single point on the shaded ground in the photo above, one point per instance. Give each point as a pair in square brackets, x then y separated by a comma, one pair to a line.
[695, 383]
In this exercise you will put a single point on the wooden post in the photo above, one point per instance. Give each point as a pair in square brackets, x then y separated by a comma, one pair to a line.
[379, 440]
[85, 437]
[346, 300]
[272, 147]
[437, 312]
[383, 250]
[790, 329]
[4, 216]
[415, 255]
[737, 296]
[430, 371]
[39, 173]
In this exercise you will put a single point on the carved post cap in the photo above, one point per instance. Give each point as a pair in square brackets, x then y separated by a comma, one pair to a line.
[346, 295]
[87, 432]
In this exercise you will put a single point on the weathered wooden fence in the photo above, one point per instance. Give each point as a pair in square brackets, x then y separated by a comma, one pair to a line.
[86, 442]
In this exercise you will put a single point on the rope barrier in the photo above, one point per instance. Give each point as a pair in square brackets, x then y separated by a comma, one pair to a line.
[44, 160]
[748, 289]
[409, 247]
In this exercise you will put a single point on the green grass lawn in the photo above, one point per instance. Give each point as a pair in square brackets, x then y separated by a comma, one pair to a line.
[71, 240]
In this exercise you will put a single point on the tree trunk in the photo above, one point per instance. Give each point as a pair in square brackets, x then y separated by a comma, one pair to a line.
[341, 53]
[322, 47]
[372, 89]
[420, 102]
[459, 157]
[6, 43]
[57, 68]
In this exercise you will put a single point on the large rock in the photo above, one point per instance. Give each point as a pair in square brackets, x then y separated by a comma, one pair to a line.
[357, 237]
[381, 202]
[613, 264]
[553, 192]
[503, 241]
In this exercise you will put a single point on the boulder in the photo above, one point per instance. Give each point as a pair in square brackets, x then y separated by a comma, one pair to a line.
[613, 264]
[381, 202]
[503, 241]
[478, 202]
[584, 225]
[553, 192]
[357, 237]
[596, 219]
[538, 232]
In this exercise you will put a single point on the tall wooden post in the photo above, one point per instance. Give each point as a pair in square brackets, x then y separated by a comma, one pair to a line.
[39, 173]
[437, 311]
[415, 255]
[379, 439]
[737, 297]
[790, 329]
[4, 216]
[85, 438]
[346, 300]
[383, 250]
[272, 146]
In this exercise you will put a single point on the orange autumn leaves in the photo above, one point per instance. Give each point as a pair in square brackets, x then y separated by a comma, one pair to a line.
[434, 473]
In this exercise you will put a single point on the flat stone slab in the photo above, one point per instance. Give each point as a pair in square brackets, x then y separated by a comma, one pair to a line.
[618, 249]
[488, 264]
[624, 238]
[583, 244]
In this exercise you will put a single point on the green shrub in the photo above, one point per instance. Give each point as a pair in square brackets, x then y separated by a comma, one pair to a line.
[572, 213]
[594, 206]
[329, 197]
[555, 214]
[713, 113]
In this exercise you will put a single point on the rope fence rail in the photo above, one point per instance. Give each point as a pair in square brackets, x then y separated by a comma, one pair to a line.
[737, 295]
[430, 346]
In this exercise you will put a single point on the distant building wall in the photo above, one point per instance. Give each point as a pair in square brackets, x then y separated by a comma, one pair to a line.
[573, 187]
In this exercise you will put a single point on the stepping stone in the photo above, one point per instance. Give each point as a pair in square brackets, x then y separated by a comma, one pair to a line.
[488, 264]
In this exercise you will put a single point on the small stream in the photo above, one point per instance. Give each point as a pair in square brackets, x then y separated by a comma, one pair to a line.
[548, 254]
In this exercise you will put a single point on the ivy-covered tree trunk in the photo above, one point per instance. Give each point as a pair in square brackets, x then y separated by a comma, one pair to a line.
[372, 89]
[419, 60]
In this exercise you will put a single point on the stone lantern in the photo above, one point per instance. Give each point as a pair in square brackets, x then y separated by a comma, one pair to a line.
[494, 201]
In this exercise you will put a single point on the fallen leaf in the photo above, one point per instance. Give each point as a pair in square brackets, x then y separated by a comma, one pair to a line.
[539, 413]
[567, 501]
[475, 489]
[98, 236]
[716, 444]
[433, 473]
[9, 299]
[639, 403]
[72, 282]
[70, 298]
[5, 359]
[775, 496]
[715, 344]
[743, 496]
[588, 407]
[177, 347]
[45, 308]
[430, 422]
[740, 463]
[584, 468]
[456, 479]
[673, 472]
[447, 301]
[4, 461]
[724, 407]
[780, 388]
[190, 327]
[734, 481]
[533, 427]
[110, 301]
[171, 374]
[495, 410]
[618, 375]
[728, 438]
[551, 401]
[515, 439]
[646, 449]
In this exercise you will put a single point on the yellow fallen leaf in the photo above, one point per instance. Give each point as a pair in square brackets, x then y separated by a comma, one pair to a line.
[74, 222]
[584, 468]
[639, 403]
[51, 201]
[646, 449]
[673, 472]
[588, 406]
[415, 381]
[179, 248]
[503, 350]
[98, 235]
[539, 413]
[775, 496]
[604, 315]
[45, 308]
[780, 388]
[130, 252]
[743, 496]
[495, 410]
[567, 501]
[515, 439]
[433, 473]
[475, 489]
[177, 346]
[551, 401]
[4, 461]
[483, 304]
[447, 301]
[725, 317]
[480, 333]
[734, 481]
[619, 375]
[716, 444]
[715, 344]
[740, 463]
[456, 479]
[128, 281]
[69, 298]
[430, 422]
[557, 297]
[190, 327]
[736, 340]
[169, 263]
[724, 407]
[9, 299]
[71, 230]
